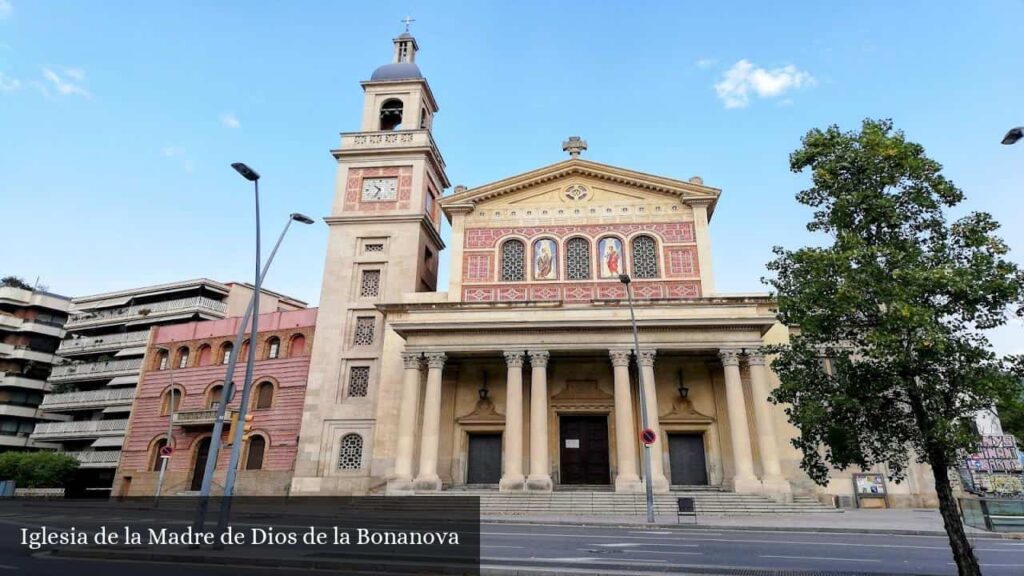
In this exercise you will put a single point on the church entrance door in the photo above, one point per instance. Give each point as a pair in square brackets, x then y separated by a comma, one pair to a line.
[484, 459]
[686, 455]
[583, 443]
[199, 467]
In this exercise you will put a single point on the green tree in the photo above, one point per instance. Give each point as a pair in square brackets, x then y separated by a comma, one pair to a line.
[14, 282]
[896, 299]
[1011, 413]
[37, 469]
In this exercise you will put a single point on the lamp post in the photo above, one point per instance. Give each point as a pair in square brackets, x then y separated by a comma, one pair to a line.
[648, 489]
[1013, 135]
[170, 424]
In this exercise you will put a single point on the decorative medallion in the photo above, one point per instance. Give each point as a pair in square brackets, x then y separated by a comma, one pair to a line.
[577, 192]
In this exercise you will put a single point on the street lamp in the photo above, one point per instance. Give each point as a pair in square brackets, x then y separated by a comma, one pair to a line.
[1013, 135]
[170, 423]
[624, 278]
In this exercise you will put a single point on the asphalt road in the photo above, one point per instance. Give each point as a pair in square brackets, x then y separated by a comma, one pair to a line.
[590, 549]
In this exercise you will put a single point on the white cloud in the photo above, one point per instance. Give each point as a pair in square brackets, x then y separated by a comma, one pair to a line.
[5, 9]
[67, 85]
[745, 79]
[705, 63]
[7, 83]
[229, 120]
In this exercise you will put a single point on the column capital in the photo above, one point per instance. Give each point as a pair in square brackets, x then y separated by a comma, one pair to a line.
[647, 357]
[755, 357]
[538, 358]
[436, 359]
[514, 358]
[412, 360]
[620, 357]
[729, 356]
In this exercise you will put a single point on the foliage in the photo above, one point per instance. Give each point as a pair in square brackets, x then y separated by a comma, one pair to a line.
[888, 361]
[1011, 412]
[37, 469]
[14, 282]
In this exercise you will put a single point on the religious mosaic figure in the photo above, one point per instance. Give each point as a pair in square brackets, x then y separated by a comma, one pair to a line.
[544, 260]
[610, 250]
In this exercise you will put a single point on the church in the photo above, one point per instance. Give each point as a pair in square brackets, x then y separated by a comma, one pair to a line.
[521, 376]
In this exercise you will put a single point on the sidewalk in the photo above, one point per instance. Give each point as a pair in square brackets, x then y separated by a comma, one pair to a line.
[900, 521]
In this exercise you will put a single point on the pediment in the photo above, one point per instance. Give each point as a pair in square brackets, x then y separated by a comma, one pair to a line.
[565, 181]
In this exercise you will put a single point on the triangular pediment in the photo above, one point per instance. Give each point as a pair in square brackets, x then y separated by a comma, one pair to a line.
[604, 183]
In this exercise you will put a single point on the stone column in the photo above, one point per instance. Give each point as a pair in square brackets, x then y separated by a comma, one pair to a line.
[540, 465]
[744, 480]
[402, 480]
[512, 476]
[626, 480]
[767, 442]
[703, 238]
[658, 481]
[430, 439]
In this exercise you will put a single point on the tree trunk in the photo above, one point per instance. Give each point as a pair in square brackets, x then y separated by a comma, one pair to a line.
[963, 553]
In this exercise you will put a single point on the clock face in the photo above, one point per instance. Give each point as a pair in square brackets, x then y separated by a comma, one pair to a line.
[380, 189]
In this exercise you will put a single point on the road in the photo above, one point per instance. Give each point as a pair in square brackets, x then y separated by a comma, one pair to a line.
[588, 549]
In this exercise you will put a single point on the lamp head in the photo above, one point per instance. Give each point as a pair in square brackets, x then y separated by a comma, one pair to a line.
[1013, 135]
[624, 278]
[301, 218]
[246, 172]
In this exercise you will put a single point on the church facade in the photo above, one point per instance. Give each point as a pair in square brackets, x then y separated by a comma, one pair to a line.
[522, 375]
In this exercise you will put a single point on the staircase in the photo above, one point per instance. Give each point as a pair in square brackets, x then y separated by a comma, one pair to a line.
[604, 502]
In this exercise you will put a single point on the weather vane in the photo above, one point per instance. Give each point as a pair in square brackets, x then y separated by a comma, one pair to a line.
[407, 21]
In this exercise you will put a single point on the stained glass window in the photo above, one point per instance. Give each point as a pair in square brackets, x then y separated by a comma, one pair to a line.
[577, 255]
[513, 261]
[645, 257]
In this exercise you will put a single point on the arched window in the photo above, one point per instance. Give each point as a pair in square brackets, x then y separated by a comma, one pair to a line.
[213, 397]
[423, 119]
[273, 347]
[350, 456]
[645, 257]
[170, 401]
[243, 354]
[205, 352]
[225, 352]
[577, 259]
[391, 115]
[254, 456]
[264, 395]
[154, 457]
[161, 360]
[182, 357]
[297, 346]
[513, 261]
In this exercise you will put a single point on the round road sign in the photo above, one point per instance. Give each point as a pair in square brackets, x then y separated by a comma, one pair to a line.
[166, 451]
[648, 436]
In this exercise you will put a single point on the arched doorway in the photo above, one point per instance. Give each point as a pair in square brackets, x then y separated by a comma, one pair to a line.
[199, 466]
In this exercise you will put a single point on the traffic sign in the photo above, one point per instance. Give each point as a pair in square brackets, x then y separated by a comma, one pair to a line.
[648, 436]
[166, 451]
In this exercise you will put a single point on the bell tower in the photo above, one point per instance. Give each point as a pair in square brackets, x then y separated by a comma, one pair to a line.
[384, 242]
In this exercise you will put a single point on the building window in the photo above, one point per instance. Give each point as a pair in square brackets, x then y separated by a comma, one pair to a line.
[297, 346]
[375, 247]
[170, 402]
[577, 259]
[182, 357]
[364, 331]
[369, 284]
[513, 261]
[359, 381]
[273, 348]
[645, 257]
[243, 354]
[162, 361]
[391, 115]
[155, 456]
[204, 355]
[225, 352]
[350, 457]
[264, 395]
[254, 456]
[214, 396]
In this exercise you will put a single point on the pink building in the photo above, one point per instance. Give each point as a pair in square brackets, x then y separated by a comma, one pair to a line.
[194, 357]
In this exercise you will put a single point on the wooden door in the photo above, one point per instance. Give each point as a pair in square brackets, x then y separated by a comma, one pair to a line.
[686, 455]
[484, 459]
[583, 442]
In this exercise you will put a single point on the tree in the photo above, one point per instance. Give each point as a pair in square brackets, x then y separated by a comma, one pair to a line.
[888, 361]
[37, 469]
[1011, 413]
[14, 282]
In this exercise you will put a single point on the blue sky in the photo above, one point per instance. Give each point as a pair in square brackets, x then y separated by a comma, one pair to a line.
[118, 120]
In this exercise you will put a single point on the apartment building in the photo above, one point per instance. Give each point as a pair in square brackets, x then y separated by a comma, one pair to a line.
[106, 337]
[31, 328]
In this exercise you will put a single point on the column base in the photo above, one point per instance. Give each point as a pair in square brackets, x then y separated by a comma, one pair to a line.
[427, 484]
[400, 487]
[509, 483]
[778, 488]
[659, 485]
[628, 483]
[539, 483]
[747, 485]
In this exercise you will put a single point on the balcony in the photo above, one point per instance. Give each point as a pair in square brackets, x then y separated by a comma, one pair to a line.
[97, 458]
[143, 312]
[26, 353]
[108, 342]
[201, 418]
[88, 400]
[15, 380]
[80, 429]
[19, 297]
[95, 370]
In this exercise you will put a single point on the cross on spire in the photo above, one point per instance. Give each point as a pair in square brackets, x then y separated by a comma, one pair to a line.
[574, 145]
[407, 21]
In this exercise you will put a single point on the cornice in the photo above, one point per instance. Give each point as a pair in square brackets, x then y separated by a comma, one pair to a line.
[424, 221]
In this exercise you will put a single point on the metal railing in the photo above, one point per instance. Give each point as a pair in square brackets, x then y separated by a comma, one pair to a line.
[86, 428]
[84, 370]
[198, 417]
[112, 341]
[144, 310]
[97, 459]
[88, 398]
